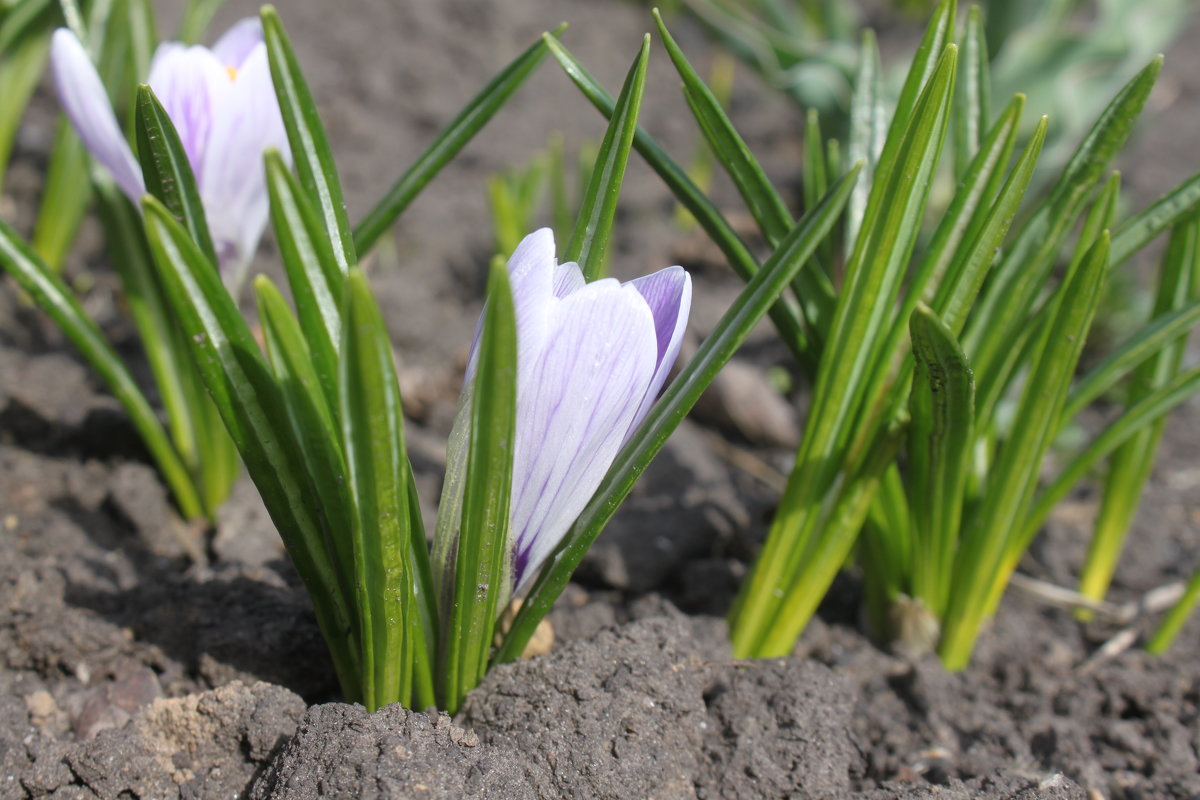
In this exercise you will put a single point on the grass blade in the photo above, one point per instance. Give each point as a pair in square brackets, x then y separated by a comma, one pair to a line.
[474, 116]
[312, 419]
[1135, 233]
[1134, 419]
[482, 559]
[784, 314]
[765, 204]
[20, 70]
[1002, 308]
[60, 304]
[1174, 621]
[868, 125]
[974, 92]
[65, 197]
[1130, 465]
[309, 144]
[589, 243]
[1148, 341]
[377, 471]
[312, 271]
[665, 415]
[239, 382]
[990, 540]
[940, 447]
[166, 169]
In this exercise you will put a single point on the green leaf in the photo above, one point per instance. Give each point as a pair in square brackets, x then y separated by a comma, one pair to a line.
[312, 420]
[20, 71]
[1130, 466]
[974, 92]
[991, 538]
[765, 204]
[64, 197]
[482, 561]
[1147, 342]
[784, 314]
[998, 319]
[309, 145]
[868, 125]
[1134, 419]
[373, 440]
[167, 172]
[940, 447]
[250, 403]
[955, 293]
[473, 117]
[1174, 620]
[665, 415]
[54, 298]
[589, 242]
[874, 275]
[1135, 233]
[312, 270]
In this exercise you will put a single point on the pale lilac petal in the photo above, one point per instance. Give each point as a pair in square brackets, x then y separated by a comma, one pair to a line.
[576, 399]
[233, 182]
[191, 84]
[568, 278]
[237, 43]
[85, 102]
[668, 292]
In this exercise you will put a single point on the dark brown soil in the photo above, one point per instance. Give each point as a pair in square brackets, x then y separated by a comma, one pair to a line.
[138, 659]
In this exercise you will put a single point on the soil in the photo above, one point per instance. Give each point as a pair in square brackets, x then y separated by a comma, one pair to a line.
[139, 658]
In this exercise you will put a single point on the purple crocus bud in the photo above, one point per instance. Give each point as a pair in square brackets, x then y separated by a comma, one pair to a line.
[591, 359]
[223, 106]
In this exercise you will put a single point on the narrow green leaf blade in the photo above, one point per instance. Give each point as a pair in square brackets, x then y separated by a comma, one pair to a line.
[784, 314]
[940, 446]
[312, 421]
[59, 302]
[1130, 466]
[482, 560]
[1148, 341]
[1006, 301]
[373, 441]
[974, 91]
[593, 227]
[309, 144]
[737, 323]
[311, 268]
[473, 117]
[980, 568]
[764, 203]
[868, 125]
[239, 382]
[167, 172]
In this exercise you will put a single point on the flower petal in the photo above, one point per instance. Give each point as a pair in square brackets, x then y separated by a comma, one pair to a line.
[576, 399]
[237, 43]
[233, 182]
[190, 83]
[668, 292]
[85, 102]
[568, 278]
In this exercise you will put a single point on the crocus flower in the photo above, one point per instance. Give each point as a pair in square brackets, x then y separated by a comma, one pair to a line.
[591, 359]
[223, 105]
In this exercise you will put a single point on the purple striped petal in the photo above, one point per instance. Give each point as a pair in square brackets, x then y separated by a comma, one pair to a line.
[232, 181]
[590, 360]
[85, 102]
[575, 401]
[237, 43]
[668, 292]
[190, 83]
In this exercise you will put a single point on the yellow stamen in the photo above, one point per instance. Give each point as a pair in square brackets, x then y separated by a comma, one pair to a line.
[232, 73]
